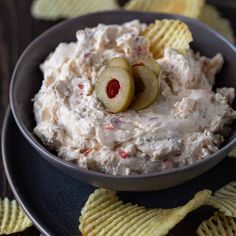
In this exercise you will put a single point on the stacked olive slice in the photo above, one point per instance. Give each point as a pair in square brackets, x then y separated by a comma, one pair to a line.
[121, 86]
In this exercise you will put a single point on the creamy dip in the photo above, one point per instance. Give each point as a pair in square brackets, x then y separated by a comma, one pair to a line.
[185, 124]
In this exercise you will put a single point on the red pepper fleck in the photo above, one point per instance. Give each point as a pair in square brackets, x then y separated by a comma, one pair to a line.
[123, 154]
[205, 66]
[81, 86]
[86, 151]
[139, 50]
[109, 127]
[113, 88]
[138, 64]
[86, 55]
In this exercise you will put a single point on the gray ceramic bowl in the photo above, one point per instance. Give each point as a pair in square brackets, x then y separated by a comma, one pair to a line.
[27, 79]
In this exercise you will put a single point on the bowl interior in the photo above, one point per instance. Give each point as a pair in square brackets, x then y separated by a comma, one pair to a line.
[27, 77]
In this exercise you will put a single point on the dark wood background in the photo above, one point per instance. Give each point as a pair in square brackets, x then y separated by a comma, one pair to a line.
[17, 30]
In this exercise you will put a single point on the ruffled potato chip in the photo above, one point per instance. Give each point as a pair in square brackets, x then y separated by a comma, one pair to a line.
[12, 217]
[211, 16]
[224, 199]
[105, 214]
[232, 153]
[56, 9]
[218, 225]
[167, 33]
[181, 7]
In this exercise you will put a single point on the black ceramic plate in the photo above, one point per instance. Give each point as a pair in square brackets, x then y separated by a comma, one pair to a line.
[54, 201]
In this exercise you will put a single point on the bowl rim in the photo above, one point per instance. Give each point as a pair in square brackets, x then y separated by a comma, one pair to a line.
[45, 153]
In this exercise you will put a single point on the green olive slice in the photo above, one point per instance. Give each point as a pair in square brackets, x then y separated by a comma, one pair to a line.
[150, 63]
[120, 62]
[115, 89]
[146, 87]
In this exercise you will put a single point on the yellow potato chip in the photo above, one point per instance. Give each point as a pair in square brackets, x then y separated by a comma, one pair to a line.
[224, 199]
[232, 153]
[56, 9]
[105, 214]
[211, 16]
[218, 225]
[167, 33]
[182, 7]
[12, 217]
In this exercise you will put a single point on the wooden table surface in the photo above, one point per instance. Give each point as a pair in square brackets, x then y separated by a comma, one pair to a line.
[17, 30]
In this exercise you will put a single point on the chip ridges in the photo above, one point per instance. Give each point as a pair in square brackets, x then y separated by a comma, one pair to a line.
[217, 225]
[211, 16]
[197, 9]
[224, 199]
[12, 217]
[105, 214]
[182, 7]
[167, 34]
[55, 9]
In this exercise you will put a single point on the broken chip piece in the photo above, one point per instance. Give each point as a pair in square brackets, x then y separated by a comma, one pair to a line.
[105, 214]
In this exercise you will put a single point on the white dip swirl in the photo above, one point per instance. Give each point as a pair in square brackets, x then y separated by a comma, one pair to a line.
[185, 124]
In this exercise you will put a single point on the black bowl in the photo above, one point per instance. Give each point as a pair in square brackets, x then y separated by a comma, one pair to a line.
[27, 79]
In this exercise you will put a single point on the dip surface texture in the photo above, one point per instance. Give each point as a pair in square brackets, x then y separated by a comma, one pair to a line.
[186, 123]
